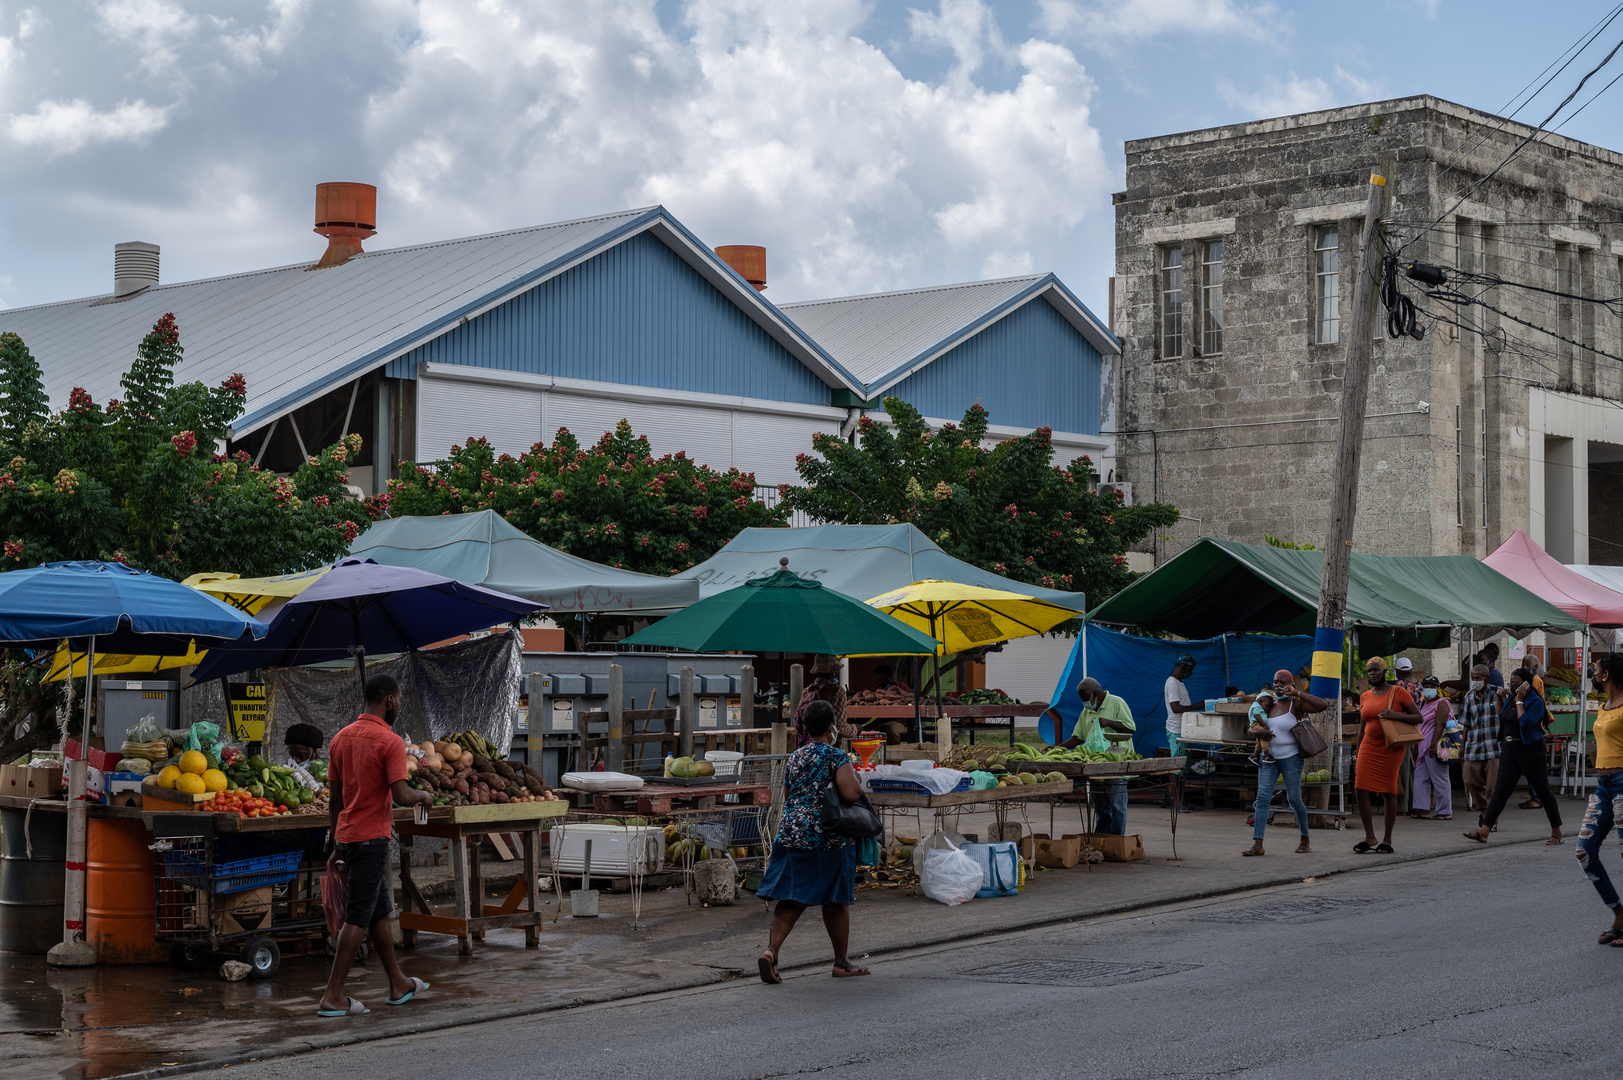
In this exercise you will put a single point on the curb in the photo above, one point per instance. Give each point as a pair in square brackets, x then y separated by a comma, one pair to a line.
[513, 1012]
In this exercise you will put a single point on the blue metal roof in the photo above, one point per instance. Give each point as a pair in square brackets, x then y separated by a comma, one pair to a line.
[296, 333]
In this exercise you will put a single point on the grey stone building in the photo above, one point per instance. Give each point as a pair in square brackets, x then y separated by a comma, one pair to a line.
[1236, 250]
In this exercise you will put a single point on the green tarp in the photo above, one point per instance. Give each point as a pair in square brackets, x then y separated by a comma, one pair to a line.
[1395, 602]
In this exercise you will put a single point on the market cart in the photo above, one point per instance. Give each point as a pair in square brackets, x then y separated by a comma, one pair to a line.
[465, 827]
[244, 893]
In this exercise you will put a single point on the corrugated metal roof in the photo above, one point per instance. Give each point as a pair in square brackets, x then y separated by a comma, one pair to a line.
[295, 333]
[883, 337]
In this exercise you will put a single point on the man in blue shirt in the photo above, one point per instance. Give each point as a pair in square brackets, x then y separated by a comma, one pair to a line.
[1521, 753]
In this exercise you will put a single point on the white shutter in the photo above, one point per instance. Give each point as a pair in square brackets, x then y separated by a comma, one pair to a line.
[451, 411]
[1029, 668]
[705, 434]
[766, 444]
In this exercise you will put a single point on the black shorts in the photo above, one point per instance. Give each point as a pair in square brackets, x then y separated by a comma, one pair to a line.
[367, 864]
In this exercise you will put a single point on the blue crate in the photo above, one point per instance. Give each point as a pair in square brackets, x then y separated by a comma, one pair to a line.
[880, 784]
[254, 862]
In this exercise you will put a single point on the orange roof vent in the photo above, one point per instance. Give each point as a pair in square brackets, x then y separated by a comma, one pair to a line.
[748, 260]
[346, 214]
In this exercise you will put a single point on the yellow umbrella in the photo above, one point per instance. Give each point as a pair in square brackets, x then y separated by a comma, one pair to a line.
[963, 617]
[262, 597]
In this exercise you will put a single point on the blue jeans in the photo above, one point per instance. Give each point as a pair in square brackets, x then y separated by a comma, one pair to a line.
[1605, 812]
[1268, 774]
[1110, 806]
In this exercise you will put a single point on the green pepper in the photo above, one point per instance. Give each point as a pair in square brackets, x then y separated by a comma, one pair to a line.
[257, 790]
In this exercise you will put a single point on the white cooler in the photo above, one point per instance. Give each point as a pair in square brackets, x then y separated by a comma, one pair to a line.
[1214, 727]
[617, 850]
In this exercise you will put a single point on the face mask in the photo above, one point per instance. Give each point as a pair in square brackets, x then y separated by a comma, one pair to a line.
[1376, 678]
[1429, 693]
[1478, 684]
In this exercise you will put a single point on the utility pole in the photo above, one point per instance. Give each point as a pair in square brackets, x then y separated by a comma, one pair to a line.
[1327, 638]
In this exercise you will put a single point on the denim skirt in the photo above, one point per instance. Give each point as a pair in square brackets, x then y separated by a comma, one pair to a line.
[812, 878]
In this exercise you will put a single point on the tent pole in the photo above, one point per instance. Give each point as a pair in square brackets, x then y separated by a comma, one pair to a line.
[1228, 678]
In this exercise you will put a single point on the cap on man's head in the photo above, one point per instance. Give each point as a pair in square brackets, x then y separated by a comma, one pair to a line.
[1186, 659]
[1431, 680]
[1404, 664]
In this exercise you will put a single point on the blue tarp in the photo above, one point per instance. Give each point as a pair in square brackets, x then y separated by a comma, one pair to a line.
[1136, 669]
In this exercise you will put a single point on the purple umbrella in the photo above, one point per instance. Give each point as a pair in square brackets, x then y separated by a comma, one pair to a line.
[361, 607]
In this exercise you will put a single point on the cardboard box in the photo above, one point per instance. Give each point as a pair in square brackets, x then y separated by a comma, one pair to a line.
[95, 757]
[124, 789]
[245, 912]
[1114, 848]
[22, 782]
[1061, 854]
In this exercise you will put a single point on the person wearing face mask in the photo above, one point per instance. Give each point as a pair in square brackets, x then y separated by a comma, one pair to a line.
[1281, 708]
[1105, 723]
[367, 776]
[1376, 771]
[1521, 753]
[1433, 789]
[1479, 758]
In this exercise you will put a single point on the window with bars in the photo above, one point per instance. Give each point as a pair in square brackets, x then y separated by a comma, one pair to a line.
[1211, 297]
[1327, 284]
[1171, 302]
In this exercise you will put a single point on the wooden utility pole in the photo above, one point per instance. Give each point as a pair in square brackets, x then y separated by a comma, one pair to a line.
[1327, 645]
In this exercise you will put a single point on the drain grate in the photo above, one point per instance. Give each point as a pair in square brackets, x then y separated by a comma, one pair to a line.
[1277, 911]
[1051, 972]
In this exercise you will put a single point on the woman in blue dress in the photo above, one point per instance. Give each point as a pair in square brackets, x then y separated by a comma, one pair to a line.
[810, 867]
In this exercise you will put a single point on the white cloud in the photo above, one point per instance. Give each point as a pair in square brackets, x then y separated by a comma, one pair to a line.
[966, 27]
[1136, 20]
[61, 127]
[155, 27]
[1293, 94]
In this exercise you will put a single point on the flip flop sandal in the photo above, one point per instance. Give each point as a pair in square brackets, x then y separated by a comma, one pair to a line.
[417, 987]
[1607, 937]
[1383, 849]
[1303, 850]
[1363, 847]
[1617, 943]
[849, 970]
[1531, 804]
[1248, 853]
[355, 1009]
[767, 964]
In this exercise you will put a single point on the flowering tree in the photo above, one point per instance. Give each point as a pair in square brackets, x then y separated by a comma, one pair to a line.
[138, 481]
[1004, 508]
[614, 503]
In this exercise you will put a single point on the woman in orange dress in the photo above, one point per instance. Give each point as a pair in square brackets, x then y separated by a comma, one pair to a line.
[1377, 766]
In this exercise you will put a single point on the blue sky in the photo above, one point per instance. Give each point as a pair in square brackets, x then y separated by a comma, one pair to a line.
[869, 146]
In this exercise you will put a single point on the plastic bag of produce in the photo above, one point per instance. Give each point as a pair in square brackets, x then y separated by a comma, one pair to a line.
[935, 841]
[950, 876]
[139, 765]
[205, 737]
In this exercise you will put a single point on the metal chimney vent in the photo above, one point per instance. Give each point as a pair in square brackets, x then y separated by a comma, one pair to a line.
[135, 267]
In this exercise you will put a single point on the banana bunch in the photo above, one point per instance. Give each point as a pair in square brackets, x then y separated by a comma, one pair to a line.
[475, 743]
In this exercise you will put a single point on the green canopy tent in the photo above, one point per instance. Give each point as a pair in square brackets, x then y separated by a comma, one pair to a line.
[1394, 602]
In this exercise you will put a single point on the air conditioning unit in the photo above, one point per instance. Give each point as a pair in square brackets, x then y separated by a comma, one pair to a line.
[1126, 491]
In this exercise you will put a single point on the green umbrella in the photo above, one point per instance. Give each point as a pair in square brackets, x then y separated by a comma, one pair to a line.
[785, 613]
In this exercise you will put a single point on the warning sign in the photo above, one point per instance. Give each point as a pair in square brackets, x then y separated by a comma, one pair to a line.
[247, 702]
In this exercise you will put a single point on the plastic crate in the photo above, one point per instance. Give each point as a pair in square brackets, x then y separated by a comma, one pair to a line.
[880, 784]
[252, 862]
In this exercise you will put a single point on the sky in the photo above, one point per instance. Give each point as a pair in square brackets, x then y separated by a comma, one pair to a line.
[868, 146]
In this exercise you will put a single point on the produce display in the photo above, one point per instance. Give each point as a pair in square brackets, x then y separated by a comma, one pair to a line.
[893, 696]
[1561, 674]
[262, 780]
[1317, 776]
[468, 770]
[1021, 752]
[682, 848]
[985, 697]
[687, 767]
[243, 803]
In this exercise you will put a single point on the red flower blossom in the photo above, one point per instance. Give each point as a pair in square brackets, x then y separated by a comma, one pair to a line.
[349, 529]
[741, 502]
[14, 549]
[79, 400]
[236, 384]
[186, 441]
[558, 495]
[321, 500]
[701, 512]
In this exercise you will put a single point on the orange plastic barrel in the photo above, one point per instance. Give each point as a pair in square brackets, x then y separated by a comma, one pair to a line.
[120, 894]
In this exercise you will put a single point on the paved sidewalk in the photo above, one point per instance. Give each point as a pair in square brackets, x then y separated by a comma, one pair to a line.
[109, 1021]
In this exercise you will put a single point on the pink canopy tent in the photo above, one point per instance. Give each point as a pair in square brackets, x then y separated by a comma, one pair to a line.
[1543, 575]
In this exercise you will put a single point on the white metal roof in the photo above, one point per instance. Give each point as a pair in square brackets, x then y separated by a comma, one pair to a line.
[882, 338]
[296, 333]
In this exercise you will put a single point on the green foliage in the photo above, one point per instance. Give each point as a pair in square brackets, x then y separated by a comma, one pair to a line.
[1274, 541]
[24, 404]
[1003, 508]
[138, 480]
[614, 503]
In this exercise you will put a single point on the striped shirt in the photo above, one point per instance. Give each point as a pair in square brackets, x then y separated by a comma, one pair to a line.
[1480, 712]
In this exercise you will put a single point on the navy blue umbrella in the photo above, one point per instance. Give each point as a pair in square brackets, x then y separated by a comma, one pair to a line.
[113, 608]
[361, 607]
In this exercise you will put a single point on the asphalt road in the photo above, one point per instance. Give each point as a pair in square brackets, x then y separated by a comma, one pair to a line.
[1481, 965]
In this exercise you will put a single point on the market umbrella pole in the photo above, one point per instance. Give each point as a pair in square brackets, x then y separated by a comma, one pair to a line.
[73, 950]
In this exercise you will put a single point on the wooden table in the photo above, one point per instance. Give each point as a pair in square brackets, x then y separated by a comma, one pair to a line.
[658, 798]
[472, 916]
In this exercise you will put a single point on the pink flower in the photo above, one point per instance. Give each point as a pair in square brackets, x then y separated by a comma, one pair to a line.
[236, 384]
[186, 441]
[681, 547]
[558, 495]
[321, 500]
[79, 400]
[14, 549]
[349, 529]
[701, 512]
[741, 502]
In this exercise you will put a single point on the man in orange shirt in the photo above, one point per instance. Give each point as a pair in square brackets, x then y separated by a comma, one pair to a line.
[366, 774]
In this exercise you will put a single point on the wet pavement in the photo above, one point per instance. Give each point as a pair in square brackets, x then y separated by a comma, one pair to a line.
[111, 1021]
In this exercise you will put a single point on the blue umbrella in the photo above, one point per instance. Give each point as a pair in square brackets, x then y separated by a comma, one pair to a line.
[114, 608]
[360, 607]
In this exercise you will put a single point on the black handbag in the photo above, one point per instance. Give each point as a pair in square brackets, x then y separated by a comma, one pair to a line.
[857, 820]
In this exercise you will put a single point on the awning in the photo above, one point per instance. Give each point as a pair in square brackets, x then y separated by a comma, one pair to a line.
[1584, 598]
[858, 560]
[1395, 602]
[485, 549]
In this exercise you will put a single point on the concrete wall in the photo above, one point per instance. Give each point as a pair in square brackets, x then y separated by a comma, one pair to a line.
[1244, 440]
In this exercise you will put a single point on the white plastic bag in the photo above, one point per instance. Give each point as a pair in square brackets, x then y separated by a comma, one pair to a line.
[950, 876]
[936, 841]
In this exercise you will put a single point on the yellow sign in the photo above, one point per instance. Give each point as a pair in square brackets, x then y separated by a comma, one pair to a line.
[247, 711]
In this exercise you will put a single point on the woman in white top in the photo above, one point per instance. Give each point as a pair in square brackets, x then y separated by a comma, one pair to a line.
[1283, 758]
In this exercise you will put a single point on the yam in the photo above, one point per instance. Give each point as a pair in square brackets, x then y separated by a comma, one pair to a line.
[499, 797]
[461, 786]
[506, 771]
[482, 764]
[535, 784]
